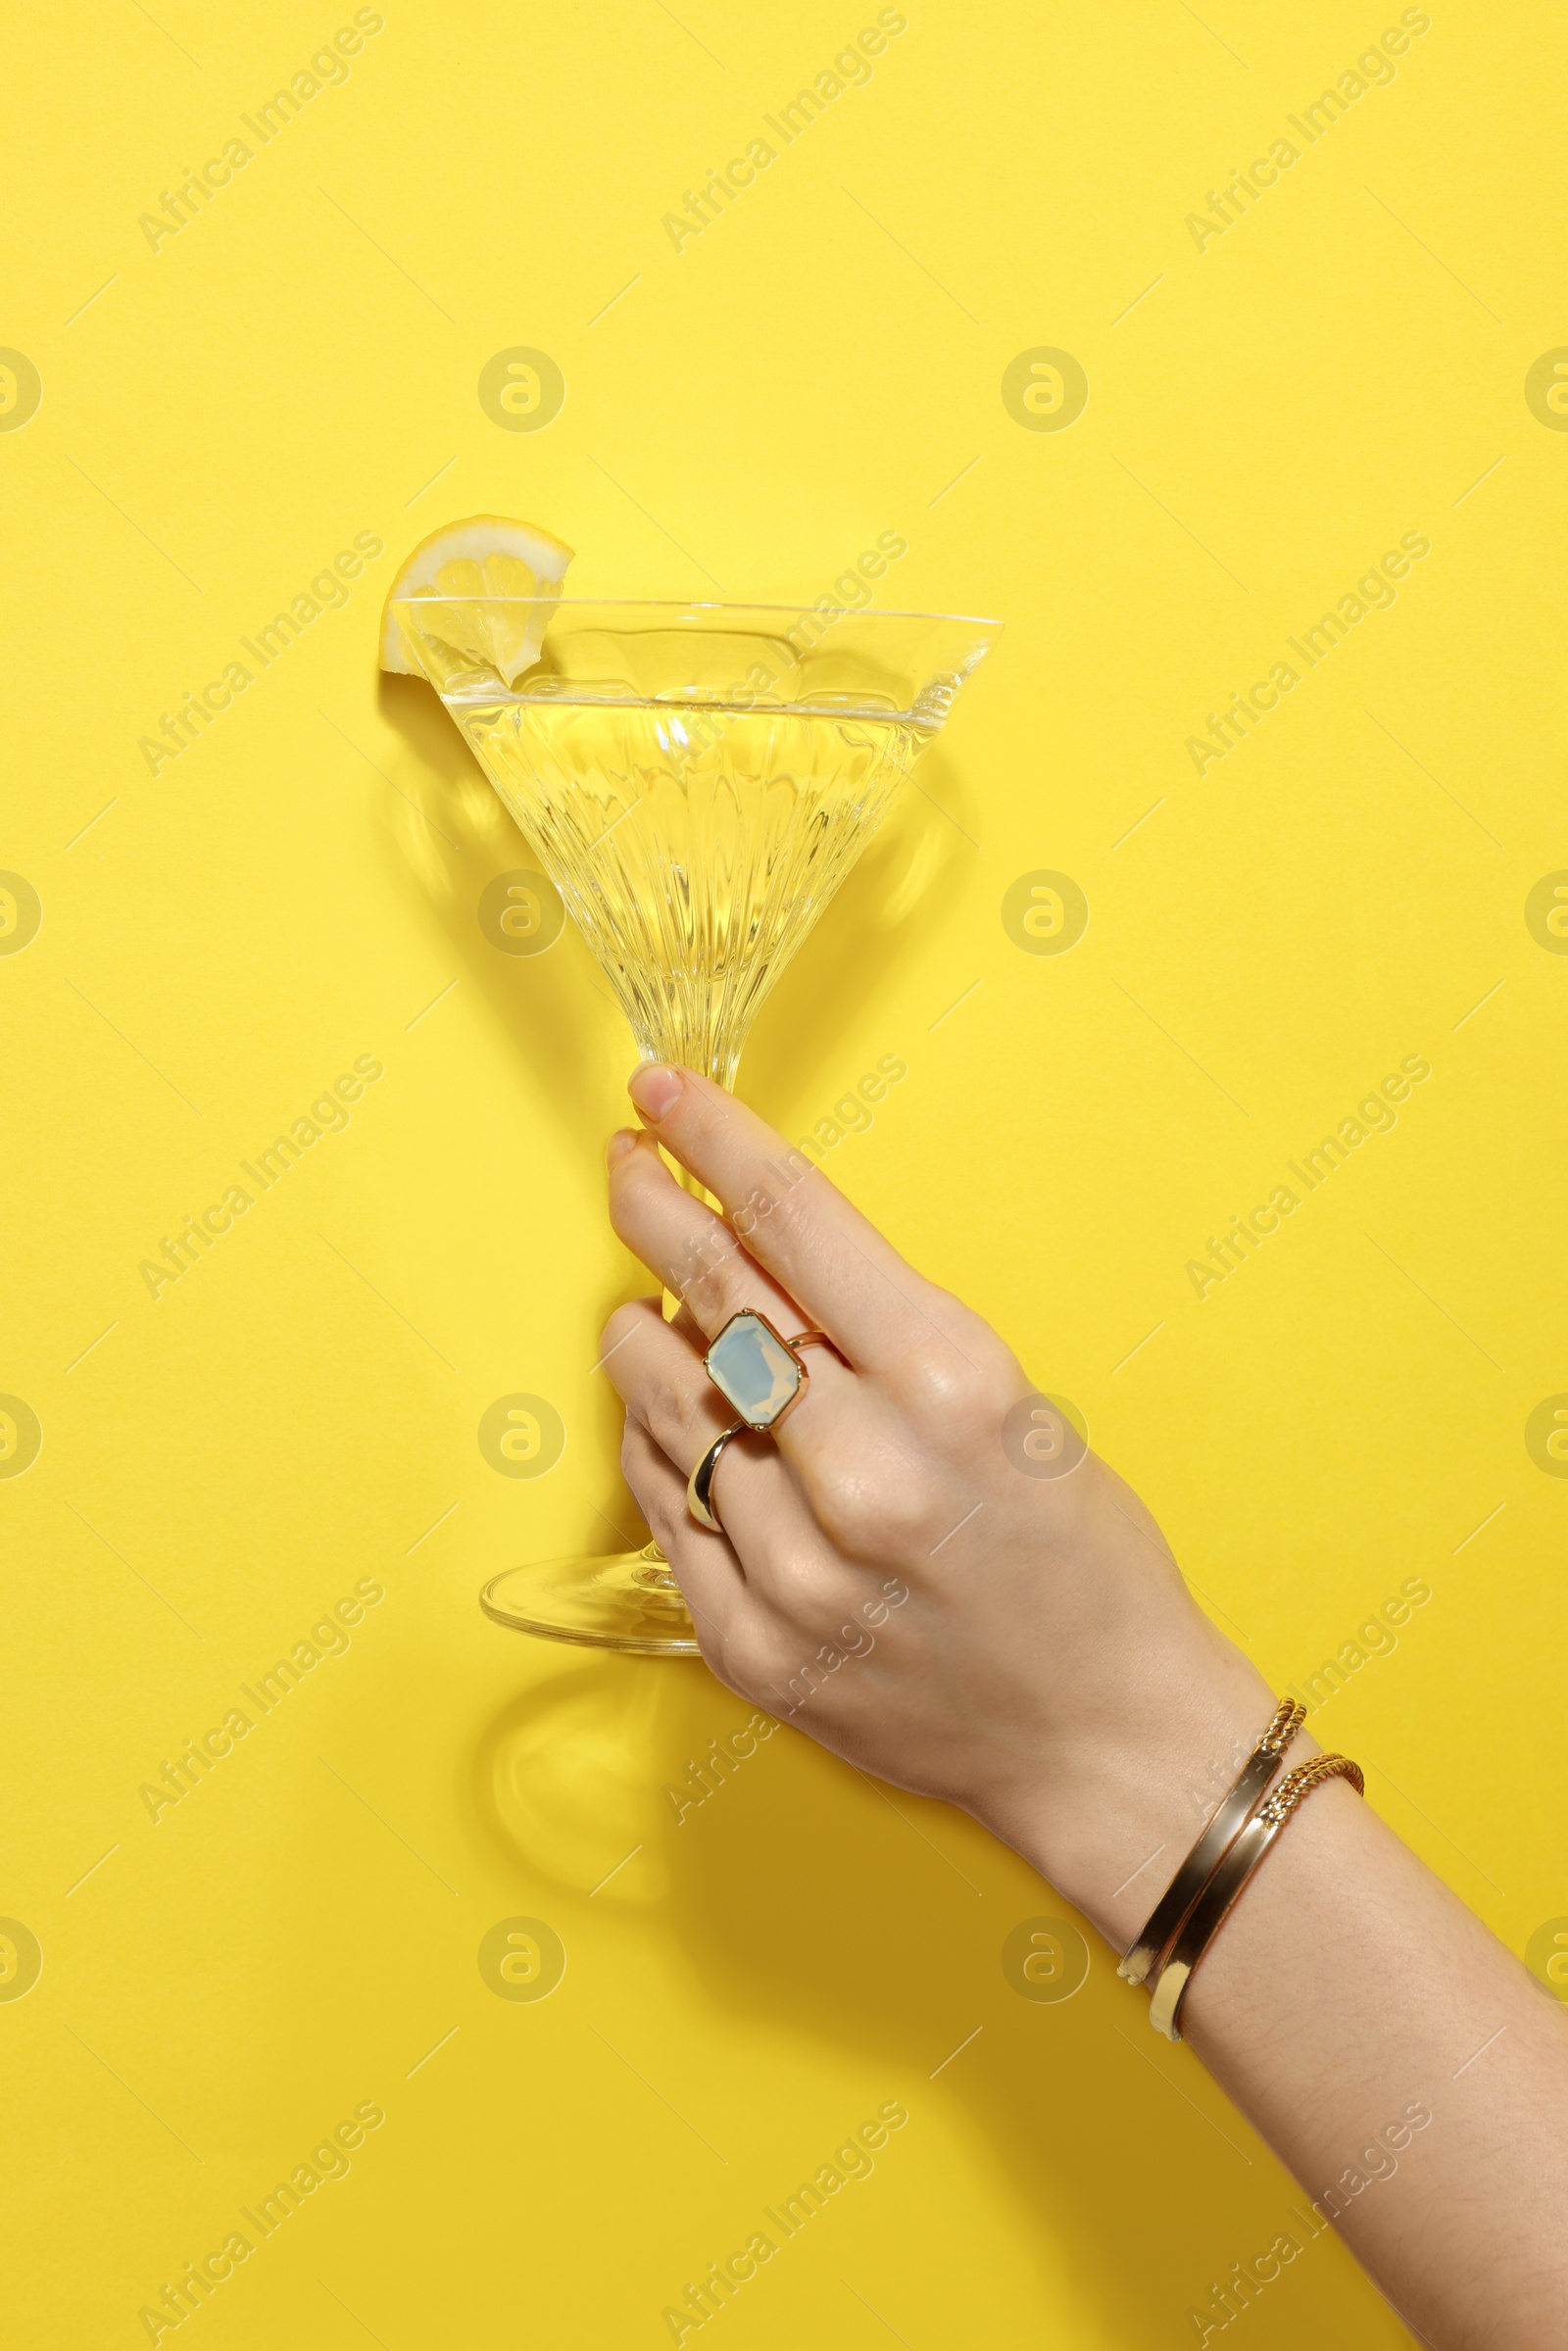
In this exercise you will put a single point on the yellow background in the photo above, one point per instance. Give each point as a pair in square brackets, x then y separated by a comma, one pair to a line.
[1265, 417]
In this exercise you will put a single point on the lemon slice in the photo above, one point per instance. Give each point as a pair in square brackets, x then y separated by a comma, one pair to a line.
[487, 556]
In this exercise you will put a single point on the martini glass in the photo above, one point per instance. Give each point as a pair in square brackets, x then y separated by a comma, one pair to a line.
[697, 779]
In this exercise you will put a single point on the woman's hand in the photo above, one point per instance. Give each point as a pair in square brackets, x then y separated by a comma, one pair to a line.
[946, 1589]
[925, 1570]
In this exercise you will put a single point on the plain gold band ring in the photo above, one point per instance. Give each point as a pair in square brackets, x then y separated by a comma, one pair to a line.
[699, 1484]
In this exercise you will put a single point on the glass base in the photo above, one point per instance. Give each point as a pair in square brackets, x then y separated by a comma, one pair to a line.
[627, 1600]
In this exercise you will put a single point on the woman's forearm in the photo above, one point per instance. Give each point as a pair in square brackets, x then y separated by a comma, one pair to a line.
[1350, 1985]
[1395, 2056]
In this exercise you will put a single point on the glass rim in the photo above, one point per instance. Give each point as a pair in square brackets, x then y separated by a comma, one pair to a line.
[670, 604]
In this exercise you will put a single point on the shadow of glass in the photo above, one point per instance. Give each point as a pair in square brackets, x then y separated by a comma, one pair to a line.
[804, 1900]
[562, 1776]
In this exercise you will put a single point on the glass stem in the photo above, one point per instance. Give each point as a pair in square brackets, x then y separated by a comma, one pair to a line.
[654, 1570]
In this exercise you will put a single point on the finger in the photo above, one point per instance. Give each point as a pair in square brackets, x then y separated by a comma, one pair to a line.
[851, 1282]
[686, 1246]
[704, 1565]
[662, 1382]
[751, 1648]
[766, 1502]
[694, 1254]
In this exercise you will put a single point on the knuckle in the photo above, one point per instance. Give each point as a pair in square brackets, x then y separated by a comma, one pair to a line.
[708, 1277]
[714, 1649]
[782, 1206]
[654, 1439]
[666, 1519]
[870, 1517]
[646, 1489]
[747, 1218]
[747, 1661]
[958, 1380]
[950, 1388]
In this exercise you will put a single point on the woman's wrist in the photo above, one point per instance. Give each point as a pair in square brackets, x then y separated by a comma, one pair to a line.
[1109, 1823]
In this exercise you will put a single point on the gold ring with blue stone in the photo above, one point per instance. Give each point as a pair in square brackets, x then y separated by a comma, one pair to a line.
[757, 1370]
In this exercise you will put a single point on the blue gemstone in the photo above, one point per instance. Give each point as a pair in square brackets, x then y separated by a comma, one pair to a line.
[754, 1368]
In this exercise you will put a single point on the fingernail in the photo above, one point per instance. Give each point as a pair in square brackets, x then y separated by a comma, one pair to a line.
[619, 1144]
[655, 1089]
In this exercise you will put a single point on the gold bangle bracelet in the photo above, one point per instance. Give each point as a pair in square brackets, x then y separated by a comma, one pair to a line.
[1230, 1880]
[1242, 1799]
